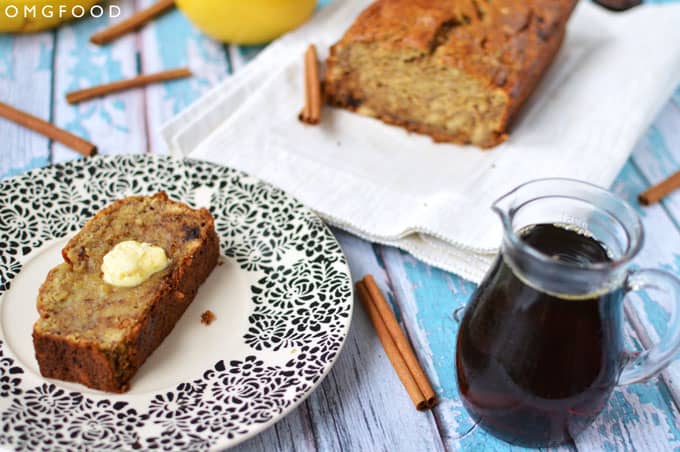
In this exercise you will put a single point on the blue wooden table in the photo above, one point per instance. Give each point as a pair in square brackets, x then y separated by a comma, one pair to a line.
[361, 405]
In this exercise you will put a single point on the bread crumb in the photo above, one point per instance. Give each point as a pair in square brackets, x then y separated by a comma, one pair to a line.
[207, 317]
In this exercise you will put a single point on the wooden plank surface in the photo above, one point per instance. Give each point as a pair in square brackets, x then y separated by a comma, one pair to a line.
[171, 42]
[654, 159]
[25, 82]
[428, 298]
[361, 405]
[115, 123]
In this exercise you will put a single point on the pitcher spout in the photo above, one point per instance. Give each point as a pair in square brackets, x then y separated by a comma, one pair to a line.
[503, 207]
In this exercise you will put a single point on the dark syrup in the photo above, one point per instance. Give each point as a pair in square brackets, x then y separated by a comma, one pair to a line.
[618, 5]
[536, 369]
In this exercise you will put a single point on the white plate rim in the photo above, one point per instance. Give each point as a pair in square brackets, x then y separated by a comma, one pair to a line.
[125, 175]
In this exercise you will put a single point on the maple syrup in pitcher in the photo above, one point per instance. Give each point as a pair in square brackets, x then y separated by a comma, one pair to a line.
[540, 346]
[548, 373]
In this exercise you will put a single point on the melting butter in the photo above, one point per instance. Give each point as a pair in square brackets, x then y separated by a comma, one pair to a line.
[130, 263]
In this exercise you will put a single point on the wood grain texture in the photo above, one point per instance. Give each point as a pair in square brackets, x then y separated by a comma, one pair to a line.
[658, 153]
[294, 433]
[116, 123]
[364, 399]
[25, 83]
[427, 299]
[361, 405]
[139, 81]
[640, 406]
[132, 23]
[172, 41]
[47, 129]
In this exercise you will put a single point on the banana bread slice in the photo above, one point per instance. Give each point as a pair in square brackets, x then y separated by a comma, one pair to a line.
[457, 70]
[98, 334]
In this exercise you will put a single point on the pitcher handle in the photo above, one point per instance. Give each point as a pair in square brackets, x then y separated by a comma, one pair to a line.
[650, 362]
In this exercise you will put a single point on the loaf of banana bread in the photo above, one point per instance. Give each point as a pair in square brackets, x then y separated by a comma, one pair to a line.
[98, 334]
[457, 70]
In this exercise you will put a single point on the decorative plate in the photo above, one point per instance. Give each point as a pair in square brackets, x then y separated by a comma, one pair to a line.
[282, 299]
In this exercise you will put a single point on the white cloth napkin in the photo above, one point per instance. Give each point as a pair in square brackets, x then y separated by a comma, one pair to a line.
[613, 73]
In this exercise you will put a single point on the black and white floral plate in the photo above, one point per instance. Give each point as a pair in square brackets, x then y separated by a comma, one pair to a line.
[282, 301]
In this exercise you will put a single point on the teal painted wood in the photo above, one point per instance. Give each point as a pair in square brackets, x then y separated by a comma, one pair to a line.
[361, 405]
[182, 45]
[364, 400]
[25, 82]
[427, 298]
[116, 122]
[639, 405]
[657, 156]
[241, 55]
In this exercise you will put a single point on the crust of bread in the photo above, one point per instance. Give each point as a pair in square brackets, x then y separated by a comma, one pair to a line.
[110, 369]
[505, 46]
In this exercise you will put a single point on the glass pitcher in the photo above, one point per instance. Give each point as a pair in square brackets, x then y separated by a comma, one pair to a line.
[540, 346]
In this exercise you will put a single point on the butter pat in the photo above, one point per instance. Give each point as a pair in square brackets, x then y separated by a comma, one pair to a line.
[130, 263]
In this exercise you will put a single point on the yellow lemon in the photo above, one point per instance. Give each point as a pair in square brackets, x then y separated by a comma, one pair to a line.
[25, 16]
[246, 22]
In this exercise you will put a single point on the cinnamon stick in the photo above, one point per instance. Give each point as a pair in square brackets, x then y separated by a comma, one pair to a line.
[391, 349]
[121, 85]
[311, 112]
[131, 23]
[49, 130]
[658, 191]
[401, 341]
